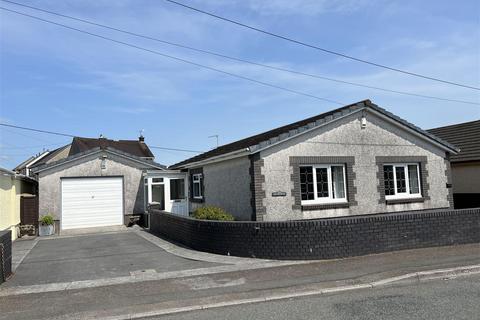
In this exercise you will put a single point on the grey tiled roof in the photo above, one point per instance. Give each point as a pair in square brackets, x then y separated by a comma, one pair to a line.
[259, 141]
[150, 163]
[466, 136]
[133, 147]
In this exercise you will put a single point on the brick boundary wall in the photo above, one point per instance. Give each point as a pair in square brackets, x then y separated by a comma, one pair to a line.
[5, 254]
[322, 238]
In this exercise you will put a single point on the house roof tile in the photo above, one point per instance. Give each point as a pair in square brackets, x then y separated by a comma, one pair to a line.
[133, 147]
[466, 136]
[256, 142]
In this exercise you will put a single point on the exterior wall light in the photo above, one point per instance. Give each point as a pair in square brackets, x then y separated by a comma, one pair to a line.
[363, 122]
[103, 165]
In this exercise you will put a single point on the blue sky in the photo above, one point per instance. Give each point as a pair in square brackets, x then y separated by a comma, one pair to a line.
[59, 80]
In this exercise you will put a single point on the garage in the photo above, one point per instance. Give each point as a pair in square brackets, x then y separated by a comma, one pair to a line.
[91, 202]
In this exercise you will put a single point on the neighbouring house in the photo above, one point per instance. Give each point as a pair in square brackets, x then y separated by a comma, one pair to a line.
[12, 187]
[465, 164]
[355, 160]
[41, 158]
[103, 182]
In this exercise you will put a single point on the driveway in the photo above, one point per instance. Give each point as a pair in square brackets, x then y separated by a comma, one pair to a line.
[95, 256]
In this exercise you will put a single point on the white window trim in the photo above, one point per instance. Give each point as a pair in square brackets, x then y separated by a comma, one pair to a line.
[407, 194]
[199, 176]
[329, 199]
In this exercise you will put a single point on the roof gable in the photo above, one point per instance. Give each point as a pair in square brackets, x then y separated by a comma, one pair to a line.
[85, 154]
[264, 140]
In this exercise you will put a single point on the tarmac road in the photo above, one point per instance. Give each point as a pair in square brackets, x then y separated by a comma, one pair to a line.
[457, 299]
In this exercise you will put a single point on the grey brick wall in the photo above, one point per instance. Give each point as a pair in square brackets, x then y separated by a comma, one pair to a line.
[448, 174]
[257, 179]
[322, 238]
[5, 254]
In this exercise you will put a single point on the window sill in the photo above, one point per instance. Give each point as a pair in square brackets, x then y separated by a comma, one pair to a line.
[405, 200]
[197, 200]
[324, 206]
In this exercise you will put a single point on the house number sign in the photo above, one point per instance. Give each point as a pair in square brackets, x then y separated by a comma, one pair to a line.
[279, 194]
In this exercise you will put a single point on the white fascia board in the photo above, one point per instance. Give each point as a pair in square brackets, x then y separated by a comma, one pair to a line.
[37, 159]
[414, 132]
[223, 157]
[164, 171]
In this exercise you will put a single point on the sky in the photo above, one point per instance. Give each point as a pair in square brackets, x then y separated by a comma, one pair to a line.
[60, 80]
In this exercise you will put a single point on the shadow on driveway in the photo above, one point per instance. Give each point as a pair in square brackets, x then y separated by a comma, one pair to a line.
[97, 256]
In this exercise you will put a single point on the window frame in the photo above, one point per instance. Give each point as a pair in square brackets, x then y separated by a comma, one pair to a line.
[181, 189]
[199, 181]
[406, 194]
[329, 199]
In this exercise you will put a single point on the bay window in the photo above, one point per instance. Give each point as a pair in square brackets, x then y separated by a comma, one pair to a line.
[322, 184]
[401, 181]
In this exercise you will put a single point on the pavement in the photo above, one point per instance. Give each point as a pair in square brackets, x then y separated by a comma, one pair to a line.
[440, 299]
[216, 286]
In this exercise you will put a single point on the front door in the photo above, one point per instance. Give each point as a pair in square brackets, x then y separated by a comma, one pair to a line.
[178, 199]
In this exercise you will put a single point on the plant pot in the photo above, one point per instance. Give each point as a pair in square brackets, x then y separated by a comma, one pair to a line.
[46, 230]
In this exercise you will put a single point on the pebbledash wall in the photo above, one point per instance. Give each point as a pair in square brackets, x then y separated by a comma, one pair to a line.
[322, 238]
[5, 254]
[227, 185]
[363, 150]
[265, 186]
[49, 181]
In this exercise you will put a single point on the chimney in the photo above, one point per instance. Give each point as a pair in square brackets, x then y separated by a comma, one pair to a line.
[141, 138]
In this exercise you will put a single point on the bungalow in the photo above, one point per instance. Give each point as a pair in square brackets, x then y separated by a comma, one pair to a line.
[465, 164]
[358, 159]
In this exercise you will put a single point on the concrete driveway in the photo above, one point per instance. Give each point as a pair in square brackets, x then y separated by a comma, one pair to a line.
[96, 256]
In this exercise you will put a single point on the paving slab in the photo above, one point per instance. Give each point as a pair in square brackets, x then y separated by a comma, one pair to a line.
[96, 256]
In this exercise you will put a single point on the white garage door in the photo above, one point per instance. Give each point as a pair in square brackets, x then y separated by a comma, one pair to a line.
[92, 202]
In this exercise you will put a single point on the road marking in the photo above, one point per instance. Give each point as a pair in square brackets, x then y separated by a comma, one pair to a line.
[140, 277]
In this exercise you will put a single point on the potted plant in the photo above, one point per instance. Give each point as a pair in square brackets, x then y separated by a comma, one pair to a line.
[47, 225]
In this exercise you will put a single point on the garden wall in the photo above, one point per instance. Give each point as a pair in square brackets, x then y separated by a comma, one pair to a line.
[322, 238]
[5, 254]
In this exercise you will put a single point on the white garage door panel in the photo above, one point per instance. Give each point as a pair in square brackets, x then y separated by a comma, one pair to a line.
[92, 202]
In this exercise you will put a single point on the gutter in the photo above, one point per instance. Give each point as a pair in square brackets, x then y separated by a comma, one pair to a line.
[94, 151]
[226, 156]
[27, 166]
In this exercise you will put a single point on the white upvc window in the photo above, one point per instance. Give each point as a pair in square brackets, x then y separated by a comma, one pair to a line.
[197, 191]
[323, 184]
[154, 192]
[402, 181]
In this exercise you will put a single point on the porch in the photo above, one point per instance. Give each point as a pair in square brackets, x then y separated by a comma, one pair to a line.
[167, 190]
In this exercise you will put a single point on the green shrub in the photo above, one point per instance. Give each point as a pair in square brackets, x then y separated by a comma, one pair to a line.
[47, 220]
[212, 213]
